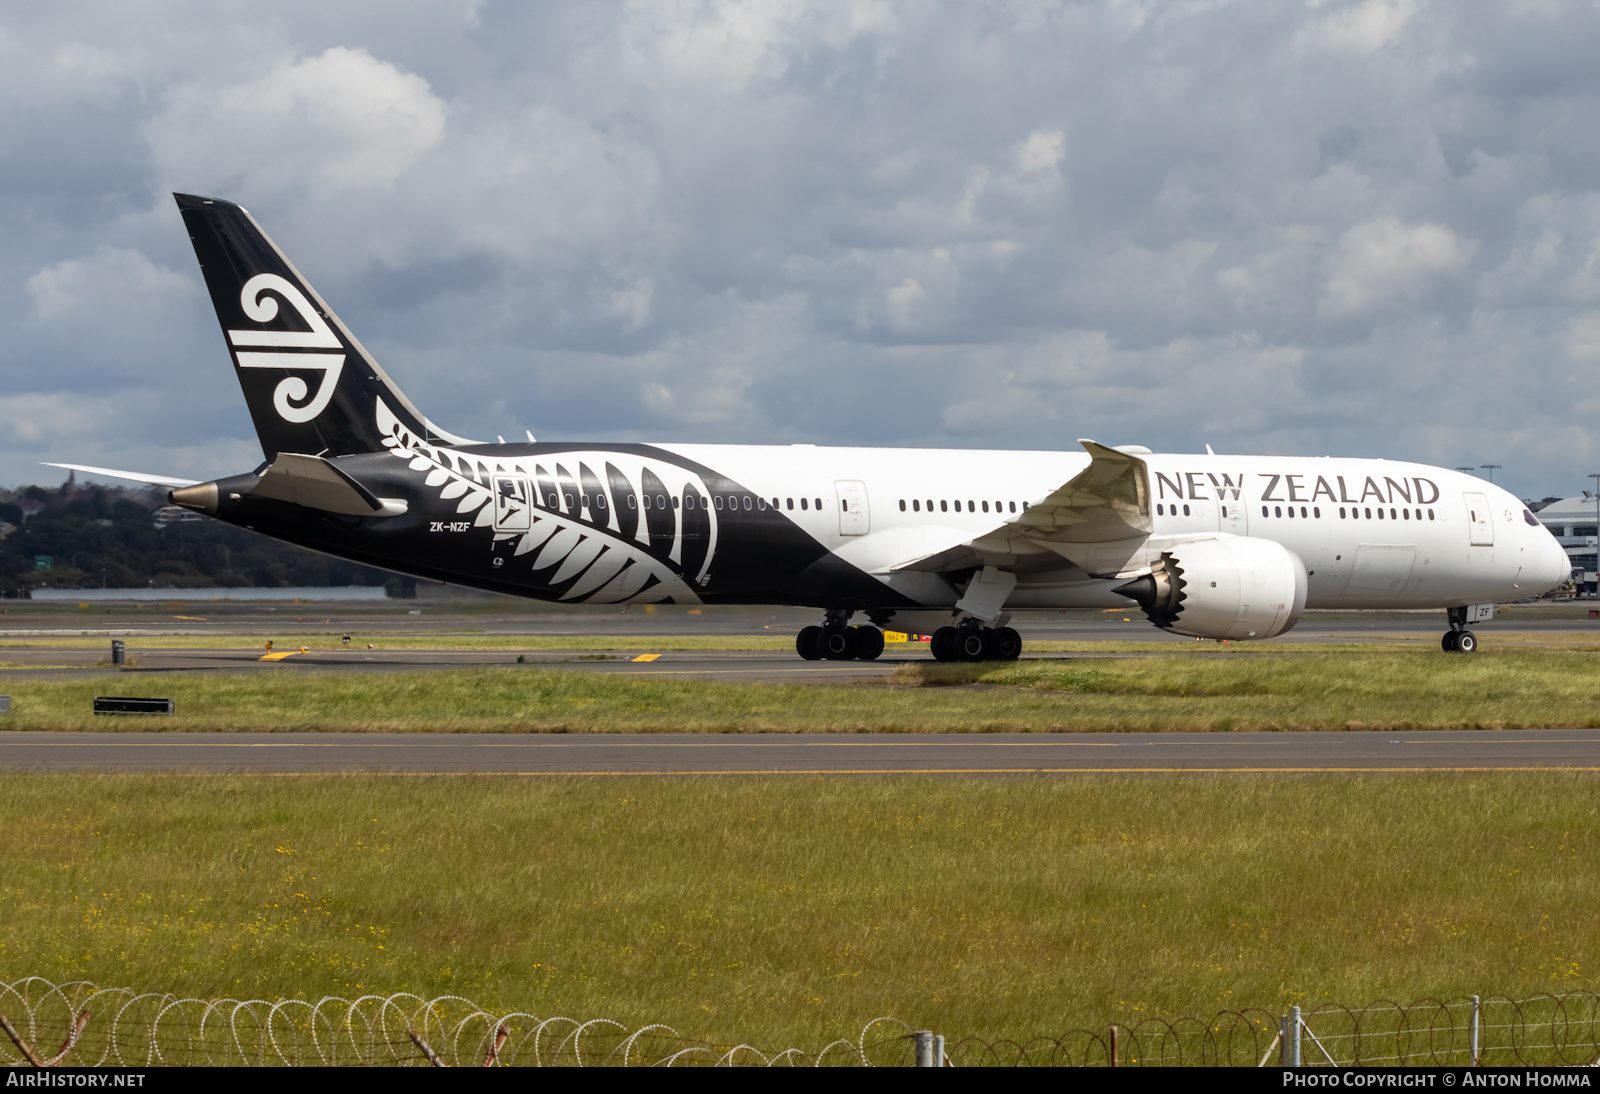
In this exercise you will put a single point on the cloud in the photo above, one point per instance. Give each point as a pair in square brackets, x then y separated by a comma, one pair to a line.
[1384, 263]
[1361, 28]
[1323, 227]
[112, 283]
[341, 120]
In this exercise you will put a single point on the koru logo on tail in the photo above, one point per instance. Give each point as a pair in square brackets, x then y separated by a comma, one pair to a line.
[262, 307]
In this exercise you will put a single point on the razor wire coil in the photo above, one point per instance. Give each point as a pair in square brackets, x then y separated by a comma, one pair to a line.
[78, 1023]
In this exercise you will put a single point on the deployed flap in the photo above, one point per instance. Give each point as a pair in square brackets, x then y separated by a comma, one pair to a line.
[317, 484]
[1107, 502]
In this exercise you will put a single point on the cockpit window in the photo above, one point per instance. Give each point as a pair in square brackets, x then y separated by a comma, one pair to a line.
[1532, 520]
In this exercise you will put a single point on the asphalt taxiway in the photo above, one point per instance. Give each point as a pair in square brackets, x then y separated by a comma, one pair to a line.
[281, 754]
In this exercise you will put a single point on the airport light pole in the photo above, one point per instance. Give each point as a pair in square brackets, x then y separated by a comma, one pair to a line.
[1595, 475]
[1491, 468]
[1468, 470]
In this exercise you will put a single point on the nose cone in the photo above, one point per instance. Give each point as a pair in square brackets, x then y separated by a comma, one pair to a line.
[1556, 566]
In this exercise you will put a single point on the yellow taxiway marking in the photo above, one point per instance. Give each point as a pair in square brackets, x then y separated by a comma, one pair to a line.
[647, 657]
[280, 656]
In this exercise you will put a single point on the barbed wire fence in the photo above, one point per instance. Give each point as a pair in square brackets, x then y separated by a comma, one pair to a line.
[81, 1025]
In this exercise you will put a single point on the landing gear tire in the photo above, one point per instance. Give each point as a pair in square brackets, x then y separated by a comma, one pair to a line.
[940, 644]
[1448, 642]
[808, 643]
[1466, 642]
[1005, 644]
[837, 644]
[868, 642]
[971, 644]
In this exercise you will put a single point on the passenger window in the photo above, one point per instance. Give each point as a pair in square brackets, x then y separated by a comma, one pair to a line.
[1407, 512]
[1161, 510]
[916, 506]
[1013, 506]
[789, 503]
[600, 502]
[1430, 514]
[1024, 507]
[970, 507]
[1341, 512]
[1391, 514]
[674, 501]
[761, 504]
[1277, 510]
[718, 499]
[1264, 511]
[902, 505]
[944, 507]
[1185, 510]
[986, 507]
[631, 503]
[747, 501]
[1369, 513]
[1316, 512]
[1302, 510]
[819, 505]
[1380, 512]
[802, 503]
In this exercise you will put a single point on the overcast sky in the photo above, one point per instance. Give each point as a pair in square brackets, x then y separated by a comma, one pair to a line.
[1365, 229]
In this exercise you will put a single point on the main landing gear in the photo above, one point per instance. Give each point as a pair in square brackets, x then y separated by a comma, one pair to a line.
[838, 642]
[1458, 639]
[976, 644]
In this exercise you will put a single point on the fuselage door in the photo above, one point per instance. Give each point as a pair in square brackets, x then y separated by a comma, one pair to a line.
[854, 519]
[1233, 516]
[513, 509]
[1478, 520]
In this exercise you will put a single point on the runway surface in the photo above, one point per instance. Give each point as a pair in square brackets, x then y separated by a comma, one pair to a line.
[800, 754]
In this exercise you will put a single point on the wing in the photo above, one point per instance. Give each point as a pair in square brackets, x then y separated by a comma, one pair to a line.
[134, 476]
[1100, 516]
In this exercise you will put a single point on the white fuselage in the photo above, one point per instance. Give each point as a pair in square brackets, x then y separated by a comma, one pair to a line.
[1372, 533]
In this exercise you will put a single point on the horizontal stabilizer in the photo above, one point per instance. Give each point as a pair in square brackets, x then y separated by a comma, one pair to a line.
[132, 476]
[317, 484]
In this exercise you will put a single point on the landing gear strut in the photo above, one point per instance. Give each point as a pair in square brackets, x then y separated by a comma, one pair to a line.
[972, 643]
[836, 640]
[1458, 639]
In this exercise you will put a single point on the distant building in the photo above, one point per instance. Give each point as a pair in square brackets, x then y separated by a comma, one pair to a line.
[175, 514]
[1576, 524]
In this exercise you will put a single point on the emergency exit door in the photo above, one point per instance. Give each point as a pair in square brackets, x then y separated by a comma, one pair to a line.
[1479, 520]
[854, 519]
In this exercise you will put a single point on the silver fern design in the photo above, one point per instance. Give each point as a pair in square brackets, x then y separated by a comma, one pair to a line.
[598, 527]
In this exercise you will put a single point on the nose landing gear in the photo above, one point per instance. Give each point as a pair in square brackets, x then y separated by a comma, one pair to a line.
[976, 644]
[1458, 639]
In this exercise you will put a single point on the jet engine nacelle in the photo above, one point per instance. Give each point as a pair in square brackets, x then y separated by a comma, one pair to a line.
[1227, 587]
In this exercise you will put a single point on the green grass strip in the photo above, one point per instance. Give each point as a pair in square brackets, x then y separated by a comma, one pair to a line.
[1312, 690]
[792, 910]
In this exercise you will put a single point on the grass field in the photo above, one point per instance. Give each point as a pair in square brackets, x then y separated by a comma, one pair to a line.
[792, 910]
[1310, 689]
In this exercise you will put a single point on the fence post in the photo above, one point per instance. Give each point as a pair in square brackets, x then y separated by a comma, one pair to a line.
[938, 1051]
[1115, 1047]
[1295, 1033]
[1283, 1041]
[118, 652]
[923, 1040]
[1476, 1010]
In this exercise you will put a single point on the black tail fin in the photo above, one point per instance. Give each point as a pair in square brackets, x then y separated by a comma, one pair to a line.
[311, 387]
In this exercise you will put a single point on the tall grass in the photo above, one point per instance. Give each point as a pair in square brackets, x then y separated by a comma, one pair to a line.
[792, 910]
